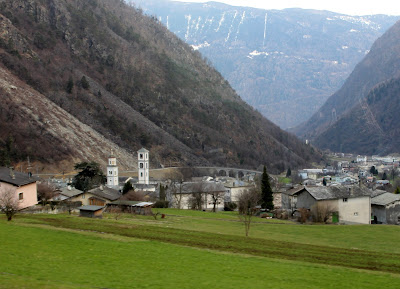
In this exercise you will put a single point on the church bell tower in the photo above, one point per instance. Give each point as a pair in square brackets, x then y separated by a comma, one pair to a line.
[143, 166]
[112, 171]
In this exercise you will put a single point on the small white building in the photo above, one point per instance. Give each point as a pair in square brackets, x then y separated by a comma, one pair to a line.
[361, 159]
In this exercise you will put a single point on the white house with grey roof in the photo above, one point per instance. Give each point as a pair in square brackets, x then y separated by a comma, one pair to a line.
[352, 203]
[181, 195]
[386, 208]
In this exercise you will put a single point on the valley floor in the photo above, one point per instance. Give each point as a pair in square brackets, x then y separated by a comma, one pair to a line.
[191, 249]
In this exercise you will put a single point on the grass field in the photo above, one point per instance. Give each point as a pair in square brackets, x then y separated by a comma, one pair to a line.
[193, 250]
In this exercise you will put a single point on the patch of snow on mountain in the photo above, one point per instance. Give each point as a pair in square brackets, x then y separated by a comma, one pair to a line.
[188, 17]
[220, 22]
[197, 47]
[241, 22]
[257, 53]
[307, 36]
[231, 28]
[360, 20]
[345, 47]
[265, 28]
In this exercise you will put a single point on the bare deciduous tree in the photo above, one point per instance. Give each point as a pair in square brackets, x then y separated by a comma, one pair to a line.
[321, 212]
[216, 198]
[134, 196]
[45, 192]
[8, 203]
[197, 198]
[196, 201]
[174, 193]
[248, 200]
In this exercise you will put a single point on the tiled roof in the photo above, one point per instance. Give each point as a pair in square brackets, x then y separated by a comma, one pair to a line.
[385, 199]
[106, 193]
[70, 192]
[204, 187]
[337, 192]
[91, 208]
[20, 179]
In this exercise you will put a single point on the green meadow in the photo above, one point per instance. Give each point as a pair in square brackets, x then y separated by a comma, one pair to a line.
[189, 249]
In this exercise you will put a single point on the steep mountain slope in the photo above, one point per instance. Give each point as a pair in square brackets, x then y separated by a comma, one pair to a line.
[285, 63]
[372, 127]
[127, 77]
[47, 133]
[381, 63]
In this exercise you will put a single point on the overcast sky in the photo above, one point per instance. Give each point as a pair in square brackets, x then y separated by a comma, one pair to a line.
[350, 7]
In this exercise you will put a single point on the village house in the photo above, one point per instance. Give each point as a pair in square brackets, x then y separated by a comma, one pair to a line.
[233, 190]
[98, 196]
[351, 204]
[66, 193]
[386, 208]
[184, 195]
[23, 186]
[134, 207]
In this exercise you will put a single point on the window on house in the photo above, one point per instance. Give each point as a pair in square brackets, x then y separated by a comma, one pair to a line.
[83, 196]
[141, 174]
[110, 172]
[344, 200]
[141, 165]
[141, 156]
[21, 196]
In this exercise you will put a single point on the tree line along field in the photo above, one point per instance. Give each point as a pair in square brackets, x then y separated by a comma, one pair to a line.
[190, 249]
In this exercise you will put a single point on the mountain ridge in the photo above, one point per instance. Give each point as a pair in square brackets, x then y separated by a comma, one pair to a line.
[285, 63]
[136, 84]
[380, 65]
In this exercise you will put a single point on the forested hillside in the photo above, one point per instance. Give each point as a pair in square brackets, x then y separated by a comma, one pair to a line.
[134, 83]
[372, 127]
[381, 64]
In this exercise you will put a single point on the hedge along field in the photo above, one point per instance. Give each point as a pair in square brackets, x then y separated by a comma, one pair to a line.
[379, 238]
[46, 257]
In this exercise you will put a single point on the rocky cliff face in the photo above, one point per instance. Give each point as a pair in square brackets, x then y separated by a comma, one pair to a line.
[285, 63]
[124, 75]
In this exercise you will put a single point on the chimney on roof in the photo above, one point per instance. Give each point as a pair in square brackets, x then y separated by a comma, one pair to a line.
[12, 175]
[101, 188]
[69, 188]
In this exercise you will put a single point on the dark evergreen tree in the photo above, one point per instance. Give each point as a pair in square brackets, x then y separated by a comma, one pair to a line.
[289, 172]
[372, 170]
[90, 175]
[84, 83]
[397, 191]
[70, 85]
[324, 181]
[384, 176]
[163, 194]
[267, 199]
[127, 187]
